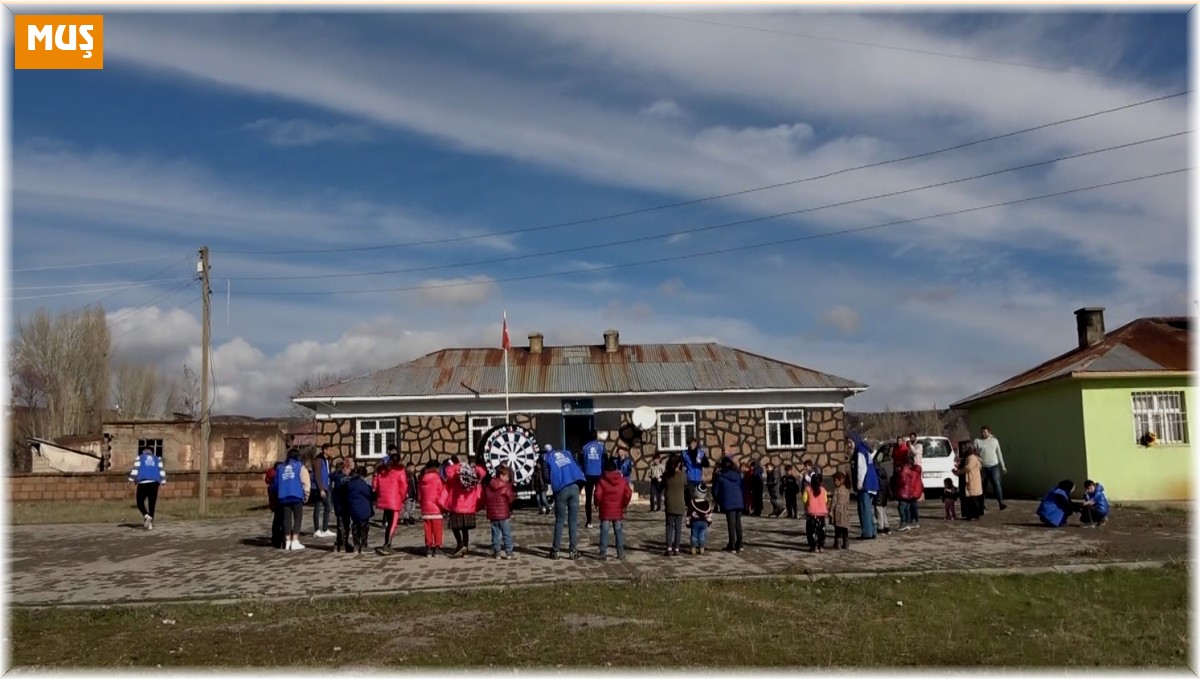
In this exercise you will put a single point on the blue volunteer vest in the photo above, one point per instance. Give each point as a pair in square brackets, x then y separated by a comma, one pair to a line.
[1049, 511]
[563, 470]
[290, 487]
[593, 458]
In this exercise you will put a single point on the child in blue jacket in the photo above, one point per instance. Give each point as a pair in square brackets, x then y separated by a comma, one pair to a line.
[1095, 505]
[360, 502]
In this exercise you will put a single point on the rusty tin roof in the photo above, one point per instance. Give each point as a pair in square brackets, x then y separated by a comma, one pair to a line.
[1147, 345]
[644, 368]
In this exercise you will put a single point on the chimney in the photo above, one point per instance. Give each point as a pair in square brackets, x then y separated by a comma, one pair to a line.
[535, 342]
[1089, 323]
[611, 341]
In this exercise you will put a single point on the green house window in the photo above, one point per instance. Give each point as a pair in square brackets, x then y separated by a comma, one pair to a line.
[1162, 413]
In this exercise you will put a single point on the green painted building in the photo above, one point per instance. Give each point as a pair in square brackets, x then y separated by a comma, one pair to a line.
[1091, 413]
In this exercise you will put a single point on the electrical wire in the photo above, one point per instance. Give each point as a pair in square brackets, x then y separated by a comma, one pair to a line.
[695, 201]
[91, 264]
[828, 234]
[149, 304]
[118, 292]
[82, 292]
[152, 321]
[713, 227]
[92, 285]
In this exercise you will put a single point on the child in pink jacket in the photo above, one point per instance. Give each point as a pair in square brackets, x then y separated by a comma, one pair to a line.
[390, 485]
[429, 495]
[464, 497]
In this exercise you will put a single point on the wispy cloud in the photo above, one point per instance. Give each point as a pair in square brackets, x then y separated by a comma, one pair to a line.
[302, 132]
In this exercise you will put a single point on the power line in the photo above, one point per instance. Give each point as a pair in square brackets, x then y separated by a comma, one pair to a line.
[92, 285]
[118, 292]
[740, 248]
[152, 321]
[741, 222]
[695, 201]
[148, 304]
[83, 292]
[864, 43]
[91, 264]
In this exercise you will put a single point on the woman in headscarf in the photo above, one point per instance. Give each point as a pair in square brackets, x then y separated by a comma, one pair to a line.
[971, 471]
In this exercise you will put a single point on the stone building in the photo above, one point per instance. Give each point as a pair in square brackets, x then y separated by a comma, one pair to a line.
[235, 443]
[733, 401]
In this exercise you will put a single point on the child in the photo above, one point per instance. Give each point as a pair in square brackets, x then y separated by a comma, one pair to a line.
[341, 511]
[950, 500]
[881, 500]
[908, 488]
[410, 499]
[699, 518]
[674, 503]
[613, 494]
[429, 495]
[840, 511]
[464, 498]
[729, 489]
[815, 511]
[1095, 505]
[541, 484]
[790, 486]
[358, 504]
[390, 486]
[498, 496]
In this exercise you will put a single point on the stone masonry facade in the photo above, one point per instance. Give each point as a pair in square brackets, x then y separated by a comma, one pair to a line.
[740, 432]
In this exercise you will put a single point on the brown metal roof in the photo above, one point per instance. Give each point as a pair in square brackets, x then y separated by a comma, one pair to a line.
[644, 368]
[1149, 345]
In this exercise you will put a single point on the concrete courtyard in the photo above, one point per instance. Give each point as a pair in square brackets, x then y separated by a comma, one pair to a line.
[230, 559]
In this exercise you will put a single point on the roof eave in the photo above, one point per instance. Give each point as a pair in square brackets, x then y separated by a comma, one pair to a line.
[445, 397]
[966, 404]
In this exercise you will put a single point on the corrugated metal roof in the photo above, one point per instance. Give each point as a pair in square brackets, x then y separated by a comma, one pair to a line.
[645, 368]
[1155, 344]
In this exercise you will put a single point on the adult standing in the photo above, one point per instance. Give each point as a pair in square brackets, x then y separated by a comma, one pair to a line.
[292, 484]
[971, 471]
[593, 468]
[322, 498]
[992, 459]
[695, 461]
[148, 474]
[464, 497]
[657, 470]
[566, 478]
[757, 484]
[727, 487]
[866, 485]
[773, 483]
[277, 536]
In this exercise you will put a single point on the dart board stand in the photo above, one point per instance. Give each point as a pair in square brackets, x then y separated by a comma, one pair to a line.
[515, 445]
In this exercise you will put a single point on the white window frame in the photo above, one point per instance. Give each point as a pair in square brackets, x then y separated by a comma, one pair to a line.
[381, 426]
[777, 418]
[1162, 412]
[676, 428]
[478, 425]
[155, 445]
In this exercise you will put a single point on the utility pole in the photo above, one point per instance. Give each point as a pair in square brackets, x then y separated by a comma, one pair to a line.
[205, 342]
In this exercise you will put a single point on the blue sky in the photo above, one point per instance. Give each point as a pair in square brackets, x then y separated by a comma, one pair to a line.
[260, 132]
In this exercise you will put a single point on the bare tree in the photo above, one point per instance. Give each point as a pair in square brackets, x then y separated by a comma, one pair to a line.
[60, 365]
[183, 396]
[142, 391]
[312, 382]
[889, 424]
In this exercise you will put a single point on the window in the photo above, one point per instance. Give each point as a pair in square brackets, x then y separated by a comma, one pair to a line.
[675, 430]
[785, 429]
[1161, 412]
[374, 437]
[482, 424]
[155, 446]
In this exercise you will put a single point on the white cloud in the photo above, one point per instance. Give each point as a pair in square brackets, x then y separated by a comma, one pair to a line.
[663, 109]
[844, 319]
[301, 132]
[469, 291]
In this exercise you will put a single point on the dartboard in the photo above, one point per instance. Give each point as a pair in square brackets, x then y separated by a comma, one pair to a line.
[515, 445]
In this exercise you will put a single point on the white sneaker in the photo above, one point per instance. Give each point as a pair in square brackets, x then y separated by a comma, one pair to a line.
[146, 521]
[287, 547]
[296, 546]
[150, 523]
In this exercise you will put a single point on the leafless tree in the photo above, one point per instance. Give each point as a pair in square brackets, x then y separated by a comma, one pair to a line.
[183, 396]
[311, 383]
[142, 391]
[60, 365]
[928, 423]
[889, 424]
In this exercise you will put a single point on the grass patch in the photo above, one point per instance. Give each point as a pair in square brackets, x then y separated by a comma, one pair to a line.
[116, 511]
[1101, 618]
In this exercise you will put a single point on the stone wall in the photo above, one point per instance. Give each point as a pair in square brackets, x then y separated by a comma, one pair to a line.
[114, 486]
[420, 437]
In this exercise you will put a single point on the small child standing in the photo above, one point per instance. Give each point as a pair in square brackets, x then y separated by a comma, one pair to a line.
[409, 517]
[498, 496]
[950, 500]
[699, 517]
[790, 485]
[840, 511]
[358, 502]
[429, 497]
[613, 495]
[338, 480]
[816, 503]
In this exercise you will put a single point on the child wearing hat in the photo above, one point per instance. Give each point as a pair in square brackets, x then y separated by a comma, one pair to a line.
[699, 517]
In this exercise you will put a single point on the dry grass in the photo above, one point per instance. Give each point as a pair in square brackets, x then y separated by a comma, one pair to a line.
[115, 511]
[1102, 618]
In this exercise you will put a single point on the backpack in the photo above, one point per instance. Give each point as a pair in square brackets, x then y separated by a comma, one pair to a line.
[467, 476]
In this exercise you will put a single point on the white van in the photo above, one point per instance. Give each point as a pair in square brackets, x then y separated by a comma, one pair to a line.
[937, 462]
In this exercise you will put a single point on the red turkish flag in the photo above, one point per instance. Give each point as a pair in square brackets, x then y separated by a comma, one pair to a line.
[504, 342]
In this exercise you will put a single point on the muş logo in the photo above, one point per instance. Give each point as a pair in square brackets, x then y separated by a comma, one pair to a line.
[58, 41]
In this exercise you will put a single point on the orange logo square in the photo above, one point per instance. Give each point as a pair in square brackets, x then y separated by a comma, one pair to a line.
[58, 41]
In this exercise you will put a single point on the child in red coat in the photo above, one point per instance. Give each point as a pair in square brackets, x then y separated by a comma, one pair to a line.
[390, 485]
[429, 496]
[498, 497]
[612, 497]
[909, 489]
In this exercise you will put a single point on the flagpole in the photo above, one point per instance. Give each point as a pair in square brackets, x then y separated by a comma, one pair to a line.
[506, 408]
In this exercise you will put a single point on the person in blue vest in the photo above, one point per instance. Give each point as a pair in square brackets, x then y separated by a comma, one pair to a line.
[866, 485]
[291, 485]
[321, 493]
[565, 480]
[148, 474]
[624, 463]
[593, 469]
[1095, 505]
[1057, 506]
[695, 460]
